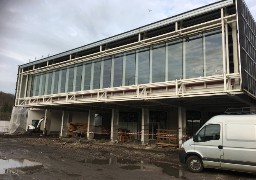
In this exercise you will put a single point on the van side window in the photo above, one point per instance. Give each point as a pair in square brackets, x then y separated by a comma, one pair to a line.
[209, 132]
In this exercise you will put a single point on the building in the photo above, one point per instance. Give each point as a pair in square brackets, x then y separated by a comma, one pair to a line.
[172, 74]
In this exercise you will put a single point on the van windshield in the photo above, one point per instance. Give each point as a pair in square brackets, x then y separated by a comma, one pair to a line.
[209, 132]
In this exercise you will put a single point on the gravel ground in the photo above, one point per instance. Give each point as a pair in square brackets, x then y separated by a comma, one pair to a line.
[70, 158]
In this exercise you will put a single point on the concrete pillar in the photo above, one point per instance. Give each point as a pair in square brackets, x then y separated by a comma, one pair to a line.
[45, 123]
[62, 124]
[182, 124]
[91, 123]
[144, 126]
[114, 124]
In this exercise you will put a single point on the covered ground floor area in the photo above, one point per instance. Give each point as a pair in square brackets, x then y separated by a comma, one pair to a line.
[166, 121]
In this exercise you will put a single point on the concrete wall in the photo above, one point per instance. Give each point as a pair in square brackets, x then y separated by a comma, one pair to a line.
[35, 114]
[4, 126]
[54, 120]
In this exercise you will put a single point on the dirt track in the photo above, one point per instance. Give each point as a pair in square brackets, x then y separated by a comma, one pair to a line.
[82, 159]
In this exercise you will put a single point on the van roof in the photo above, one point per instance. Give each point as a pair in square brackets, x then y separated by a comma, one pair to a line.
[221, 118]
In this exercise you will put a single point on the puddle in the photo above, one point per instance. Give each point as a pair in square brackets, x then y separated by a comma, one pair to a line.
[127, 164]
[11, 165]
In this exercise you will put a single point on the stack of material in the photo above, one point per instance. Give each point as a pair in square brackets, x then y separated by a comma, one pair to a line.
[76, 129]
[123, 135]
[167, 137]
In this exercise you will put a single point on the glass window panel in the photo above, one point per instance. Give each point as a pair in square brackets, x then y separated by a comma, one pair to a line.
[31, 85]
[130, 68]
[56, 82]
[79, 76]
[175, 61]
[107, 73]
[71, 79]
[43, 84]
[36, 85]
[97, 75]
[63, 80]
[213, 54]
[194, 58]
[49, 87]
[118, 71]
[143, 67]
[23, 85]
[87, 76]
[158, 64]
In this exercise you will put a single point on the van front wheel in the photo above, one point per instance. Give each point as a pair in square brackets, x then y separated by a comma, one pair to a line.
[194, 164]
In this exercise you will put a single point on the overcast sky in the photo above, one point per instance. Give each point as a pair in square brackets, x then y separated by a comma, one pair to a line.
[31, 29]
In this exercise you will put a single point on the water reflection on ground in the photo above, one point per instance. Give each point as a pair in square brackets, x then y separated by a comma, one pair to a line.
[9, 165]
[170, 169]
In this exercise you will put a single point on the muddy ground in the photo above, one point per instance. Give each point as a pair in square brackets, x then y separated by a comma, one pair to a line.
[96, 160]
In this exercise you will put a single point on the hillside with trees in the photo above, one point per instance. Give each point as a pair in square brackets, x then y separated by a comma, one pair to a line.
[6, 104]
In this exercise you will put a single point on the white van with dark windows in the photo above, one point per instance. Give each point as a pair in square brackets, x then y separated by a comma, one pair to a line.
[224, 142]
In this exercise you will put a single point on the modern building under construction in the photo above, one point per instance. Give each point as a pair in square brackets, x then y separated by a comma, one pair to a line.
[173, 74]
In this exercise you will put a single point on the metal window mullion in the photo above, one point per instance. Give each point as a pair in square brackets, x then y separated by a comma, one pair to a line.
[26, 87]
[40, 85]
[227, 48]
[74, 80]
[59, 83]
[137, 66]
[53, 79]
[223, 48]
[124, 68]
[166, 62]
[150, 63]
[67, 80]
[83, 77]
[46, 83]
[92, 76]
[101, 73]
[204, 54]
[20, 83]
[184, 58]
[112, 73]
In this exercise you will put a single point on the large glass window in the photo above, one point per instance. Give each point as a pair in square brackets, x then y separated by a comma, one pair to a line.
[79, 75]
[194, 64]
[107, 73]
[49, 87]
[63, 80]
[87, 76]
[175, 60]
[71, 79]
[158, 63]
[97, 75]
[56, 82]
[23, 85]
[118, 71]
[213, 54]
[130, 68]
[36, 85]
[143, 66]
[42, 84]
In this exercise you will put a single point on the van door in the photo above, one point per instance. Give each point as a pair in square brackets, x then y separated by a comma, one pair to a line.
[208, 143]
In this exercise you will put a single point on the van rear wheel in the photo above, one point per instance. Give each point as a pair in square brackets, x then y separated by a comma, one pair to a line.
[194, 164]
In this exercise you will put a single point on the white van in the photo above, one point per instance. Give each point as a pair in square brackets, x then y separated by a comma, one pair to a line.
[225, 142]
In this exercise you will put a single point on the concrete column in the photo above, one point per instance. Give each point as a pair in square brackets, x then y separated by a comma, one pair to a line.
[144, 126]
[62, 124]
[45, 123]
[114, 124]
[91, 123]
[182, 124]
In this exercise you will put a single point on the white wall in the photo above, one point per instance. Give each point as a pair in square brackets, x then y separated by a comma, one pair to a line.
[35, 114]
[4, 125]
